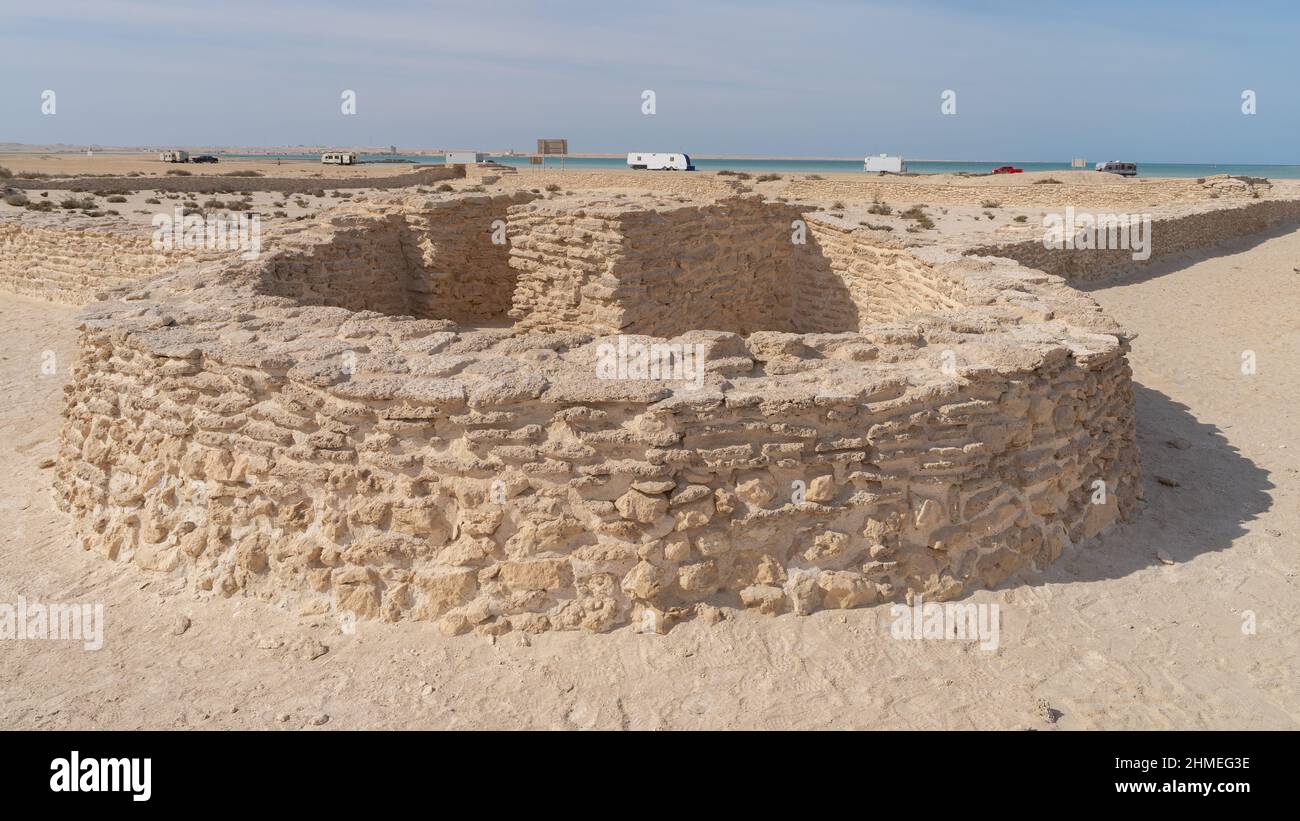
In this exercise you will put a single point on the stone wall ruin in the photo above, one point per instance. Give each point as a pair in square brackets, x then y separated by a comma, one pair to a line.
[390, 415]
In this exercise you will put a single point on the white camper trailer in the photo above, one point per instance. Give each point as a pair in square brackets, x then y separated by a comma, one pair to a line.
[1124, 169]
[174, 156]
[660, 162]
[884, 162]
[464, 157]
[338, 157]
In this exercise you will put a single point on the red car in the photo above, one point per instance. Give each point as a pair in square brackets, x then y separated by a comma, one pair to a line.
[1008, 169]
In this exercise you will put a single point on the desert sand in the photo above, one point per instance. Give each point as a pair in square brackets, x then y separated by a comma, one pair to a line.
[1142, 628]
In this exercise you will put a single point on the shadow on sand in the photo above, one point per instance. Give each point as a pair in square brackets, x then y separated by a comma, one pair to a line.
[1217, 491]
[1143, 271]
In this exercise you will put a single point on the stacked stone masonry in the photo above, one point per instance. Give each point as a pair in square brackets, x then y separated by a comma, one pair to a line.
[351, 423]
[1170, 235]
[71, 263]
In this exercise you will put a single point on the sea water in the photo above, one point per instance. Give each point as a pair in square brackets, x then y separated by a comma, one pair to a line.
[753, 166]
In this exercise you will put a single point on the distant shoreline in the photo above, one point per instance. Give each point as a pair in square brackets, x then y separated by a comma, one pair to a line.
[306, 160]
[287, 151]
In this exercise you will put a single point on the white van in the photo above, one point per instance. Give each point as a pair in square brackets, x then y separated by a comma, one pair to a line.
[1124, 169]
[338, 157]
[884, 162]
[464, 157]
[660, 162]
[174, 156]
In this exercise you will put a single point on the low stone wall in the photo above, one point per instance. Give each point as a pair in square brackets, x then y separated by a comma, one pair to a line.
[1113, 194]
[458, 256]
[873, 278]
[445, 259]
[1169, 236]
[215, 183]
[70, 263]
[691, 185]
[655, 268]
[394, 467]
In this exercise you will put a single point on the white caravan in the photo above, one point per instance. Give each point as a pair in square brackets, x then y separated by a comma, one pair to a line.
[174, 156]
[464, 157]
[884, 162]
[660, 162]
[338, 157]
[1124, 169]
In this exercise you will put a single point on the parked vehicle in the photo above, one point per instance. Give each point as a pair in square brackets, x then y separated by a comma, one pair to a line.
[1124, 169]
[464, 157]
[174, 156]
[660, 162]
[204, 158]
[1008, 169]
[339, 157]
[884, 163]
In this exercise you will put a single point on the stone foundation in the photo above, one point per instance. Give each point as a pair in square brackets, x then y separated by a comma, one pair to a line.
[350, 423]
[1170, 235]
[61, 261]
[445, 260]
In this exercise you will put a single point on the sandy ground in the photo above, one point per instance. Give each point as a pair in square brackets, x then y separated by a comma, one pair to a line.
[150, 165]
[116, 206]
[965, 209]
[1142, 630]
[136, 209]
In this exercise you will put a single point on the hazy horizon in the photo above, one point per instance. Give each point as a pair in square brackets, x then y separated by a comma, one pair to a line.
[435, 152]
[1033, 82]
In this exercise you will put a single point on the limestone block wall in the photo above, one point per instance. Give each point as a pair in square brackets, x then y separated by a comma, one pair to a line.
[70, 263]
[565, 259]
[436, 259]
[656, 268]
[458, 258]
[1170, 235]
[355, 261]
[1089, 190]
[698, 185]
[250, 478]
[398, 467]
[727, 264]
[740, 264]
[873, 279]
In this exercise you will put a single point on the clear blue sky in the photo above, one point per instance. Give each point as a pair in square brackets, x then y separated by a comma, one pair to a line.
[1149, 81]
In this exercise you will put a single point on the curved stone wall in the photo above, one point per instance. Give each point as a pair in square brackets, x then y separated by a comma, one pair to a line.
[308, 429]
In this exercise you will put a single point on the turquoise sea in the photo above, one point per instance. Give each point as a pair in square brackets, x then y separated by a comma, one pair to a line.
[1145, 169]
